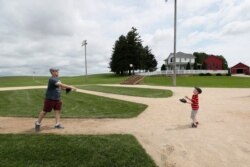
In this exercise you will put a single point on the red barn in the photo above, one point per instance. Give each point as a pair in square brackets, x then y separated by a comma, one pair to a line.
[213, 63]
[240, 68]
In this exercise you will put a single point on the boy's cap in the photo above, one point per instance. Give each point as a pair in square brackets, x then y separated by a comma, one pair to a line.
[198, 90]
[53, 69]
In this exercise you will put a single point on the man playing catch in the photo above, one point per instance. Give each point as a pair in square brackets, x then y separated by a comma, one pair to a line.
[53, 99]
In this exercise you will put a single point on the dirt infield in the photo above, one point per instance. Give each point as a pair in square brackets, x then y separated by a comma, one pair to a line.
[163, 129]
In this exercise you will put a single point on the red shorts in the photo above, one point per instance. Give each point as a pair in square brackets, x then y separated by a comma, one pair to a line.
[52, 104]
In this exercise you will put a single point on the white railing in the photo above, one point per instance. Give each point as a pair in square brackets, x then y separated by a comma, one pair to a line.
[183, 72]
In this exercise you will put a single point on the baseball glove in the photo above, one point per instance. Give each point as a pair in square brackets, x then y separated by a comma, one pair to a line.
[183, 100]
[68, 90]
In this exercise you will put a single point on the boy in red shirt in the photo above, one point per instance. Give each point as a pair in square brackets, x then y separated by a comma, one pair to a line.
[195, 105]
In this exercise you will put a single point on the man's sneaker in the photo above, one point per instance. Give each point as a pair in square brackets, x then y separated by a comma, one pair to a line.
[37, 127]
[59, 126]
[194, 126]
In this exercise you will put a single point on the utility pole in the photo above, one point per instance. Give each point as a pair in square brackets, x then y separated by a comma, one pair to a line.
[175, 27]
[84, 43]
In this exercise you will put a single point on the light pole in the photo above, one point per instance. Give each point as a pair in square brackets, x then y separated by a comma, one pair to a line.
[84, 43]
[175, 25]
[132, 67]
[34, 75]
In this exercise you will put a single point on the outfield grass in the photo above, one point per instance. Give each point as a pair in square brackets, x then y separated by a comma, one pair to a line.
[78, 80]
[202, 81]
[190, 81]
[141, 92]
[28, 103]
[72, 150]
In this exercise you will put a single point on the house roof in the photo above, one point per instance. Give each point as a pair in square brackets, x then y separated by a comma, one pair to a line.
[240, 65]
[181, 55]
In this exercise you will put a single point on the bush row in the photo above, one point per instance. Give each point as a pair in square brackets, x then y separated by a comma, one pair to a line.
[209, 74]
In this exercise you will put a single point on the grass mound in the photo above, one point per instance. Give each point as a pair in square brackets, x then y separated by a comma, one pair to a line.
[72, 150]
[28, 103]
[141, 92]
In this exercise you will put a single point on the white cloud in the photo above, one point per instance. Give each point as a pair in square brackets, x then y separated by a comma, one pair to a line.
[38, 34]
[236, 28]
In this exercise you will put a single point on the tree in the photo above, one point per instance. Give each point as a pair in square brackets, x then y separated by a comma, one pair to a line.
[195, 66]
[149, 62]
[199, 57]
[119, 62]
[135, 48]
[188, 66]
[204, 66]
[224, 62]
[129, 50]
[163, 67]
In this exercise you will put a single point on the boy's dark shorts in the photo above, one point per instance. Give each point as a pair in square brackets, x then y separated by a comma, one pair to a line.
[52, 104]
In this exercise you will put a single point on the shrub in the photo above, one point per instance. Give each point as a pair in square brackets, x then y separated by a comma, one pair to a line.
[201, 74]
[218, 74]
[208, 74]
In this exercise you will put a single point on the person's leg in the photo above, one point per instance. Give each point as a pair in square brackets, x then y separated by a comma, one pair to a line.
[38, 122]
[193, 114]
[58, 116]
[47, 107]
[195, 117]
[57, 108]
[42, 114]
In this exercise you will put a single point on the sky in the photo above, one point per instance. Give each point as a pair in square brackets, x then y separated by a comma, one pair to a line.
[38, 34]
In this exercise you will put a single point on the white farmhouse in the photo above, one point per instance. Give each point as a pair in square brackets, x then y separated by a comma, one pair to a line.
[182, 59]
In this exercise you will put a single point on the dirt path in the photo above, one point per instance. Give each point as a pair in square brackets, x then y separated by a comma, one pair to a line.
[163, 129]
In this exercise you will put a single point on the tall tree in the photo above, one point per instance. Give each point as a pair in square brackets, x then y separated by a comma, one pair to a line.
[129, 50]
[188, 66]
[135, 48]
[150, 62]
[163, 67]
[119, 59]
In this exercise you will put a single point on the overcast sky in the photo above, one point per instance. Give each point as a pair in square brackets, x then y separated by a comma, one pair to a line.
[38, 34]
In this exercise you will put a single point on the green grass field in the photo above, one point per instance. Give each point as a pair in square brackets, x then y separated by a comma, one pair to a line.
[201, 81]
[28, 103]
[24, 150]
[141, 92]
[190, 81]
[78, 80]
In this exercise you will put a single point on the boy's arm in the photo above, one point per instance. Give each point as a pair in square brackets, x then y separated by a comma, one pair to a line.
[191, 102]
[188, 98]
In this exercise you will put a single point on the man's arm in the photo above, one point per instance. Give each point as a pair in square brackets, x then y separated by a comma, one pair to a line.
[64, 86]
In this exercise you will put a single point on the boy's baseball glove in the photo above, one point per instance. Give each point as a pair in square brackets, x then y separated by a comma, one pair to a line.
[68, 90]
[183, 100]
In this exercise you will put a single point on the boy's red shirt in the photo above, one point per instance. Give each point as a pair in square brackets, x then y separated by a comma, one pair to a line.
[195, 102]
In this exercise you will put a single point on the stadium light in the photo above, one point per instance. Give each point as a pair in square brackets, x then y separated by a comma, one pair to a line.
[84, 43]
[175, 18]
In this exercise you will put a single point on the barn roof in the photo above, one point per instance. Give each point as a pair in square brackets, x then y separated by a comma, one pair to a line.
[240, 65]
